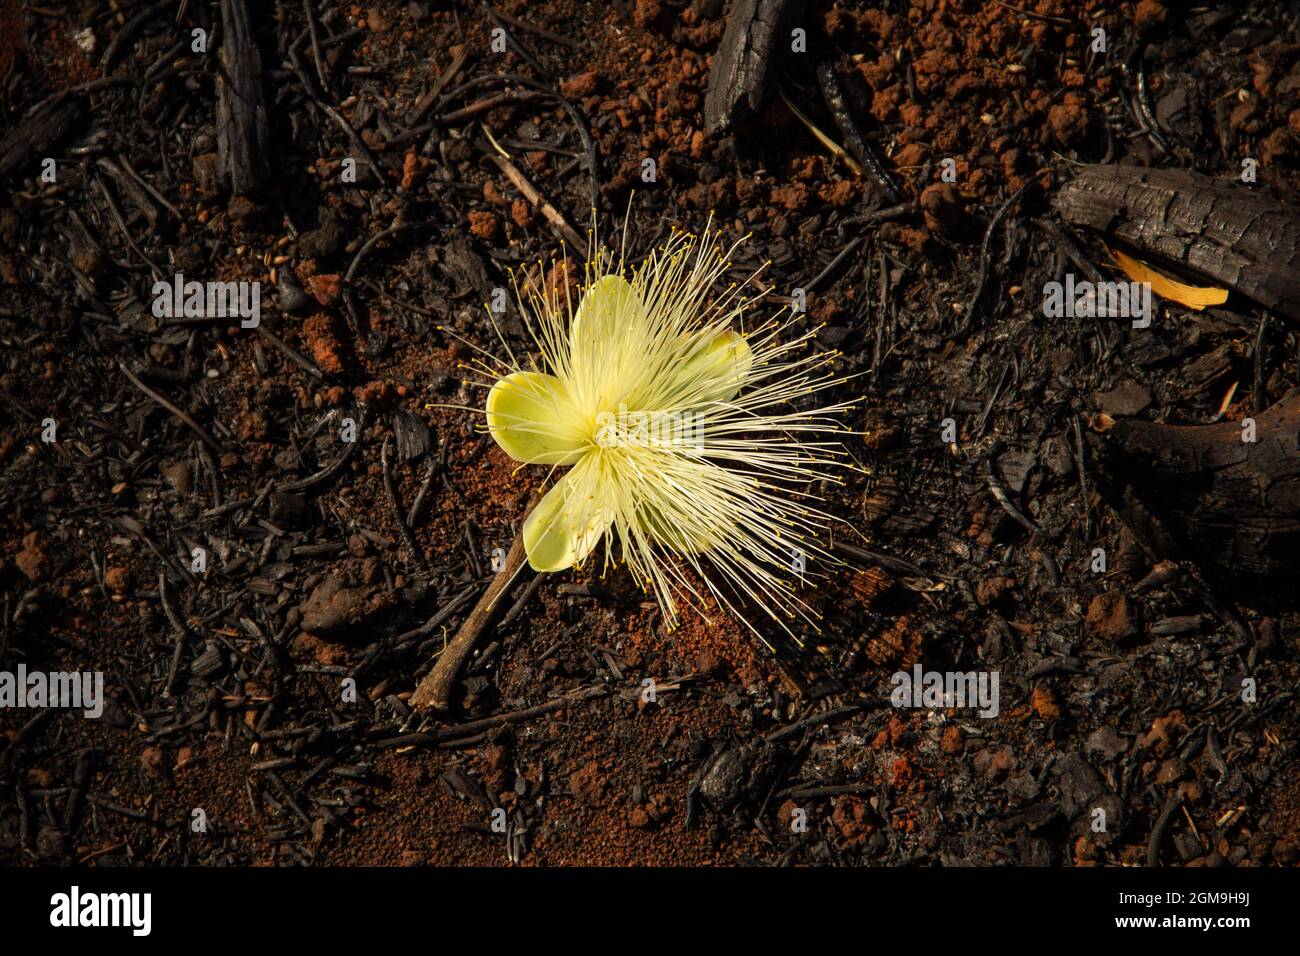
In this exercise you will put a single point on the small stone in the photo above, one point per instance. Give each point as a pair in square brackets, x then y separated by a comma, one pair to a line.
[32, 559]
[333, 609]
[483, 224]
[50, 844]
[993, 589]
[290, 294]
[90, 259]
[242, 210]
[177, 474]
[1148, 14]
[1124, 400]
[584, 84]
[522, 214]
[785, 813]
[1058, 457]
[722, 783]
[645, 12]
[410, 167]
[951, 742]
[1105, 741]
[994, 764]
[1014, 467]
[942, 208]
[153, 760]
[206, 169]
[1084, 849]
[1188, 847]
[323, 341]
[1068, 120]
[1045, 705]
[85, 40]
[324, 242]
[851, 817]
[325, 289]
[1111, 617]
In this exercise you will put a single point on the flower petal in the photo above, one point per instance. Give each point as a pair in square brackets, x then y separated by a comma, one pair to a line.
[569, 521]
[609, 308]
[533, 419]
[717, 371]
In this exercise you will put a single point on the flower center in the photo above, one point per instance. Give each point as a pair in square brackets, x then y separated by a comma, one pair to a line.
[606, 435]
[641, 429]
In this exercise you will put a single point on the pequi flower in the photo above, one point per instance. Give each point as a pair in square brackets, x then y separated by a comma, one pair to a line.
[680, 433]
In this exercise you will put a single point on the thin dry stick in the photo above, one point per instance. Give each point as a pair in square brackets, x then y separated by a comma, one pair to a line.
[1037, 16]
[434, 692]
[293, 354]
[423, 104]
[193, 425]
[822, 138]
[536, 30]
[460, 732]
[390, 486]
[553, 215]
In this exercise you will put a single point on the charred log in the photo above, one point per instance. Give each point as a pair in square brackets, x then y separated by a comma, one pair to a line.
[1209, 493]
[738, 79]
[28, 142]
[1247, 240]
[243, 134]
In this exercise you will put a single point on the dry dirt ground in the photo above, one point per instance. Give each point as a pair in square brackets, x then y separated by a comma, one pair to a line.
[1119, 691]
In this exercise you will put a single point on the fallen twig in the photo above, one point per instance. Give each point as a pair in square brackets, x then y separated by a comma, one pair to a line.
[184, 417]
[857, 144]
[531, 193]
[434, 692]
[403, 529]
[460, 731]
[984, 256]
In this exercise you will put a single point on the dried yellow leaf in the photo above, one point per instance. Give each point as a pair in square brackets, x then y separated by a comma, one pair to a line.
[1193, 296]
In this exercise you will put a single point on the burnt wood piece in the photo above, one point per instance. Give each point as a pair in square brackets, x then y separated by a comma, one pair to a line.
[435, 690]
[139, 197]
[1245, 239]
[1199, 491]
[28, 142]
[738, 78]
[243, 134]
[838, 104]
[125, 38]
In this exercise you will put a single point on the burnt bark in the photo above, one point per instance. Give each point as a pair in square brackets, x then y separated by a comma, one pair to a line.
[1227, 234]
[1201, 492]
[854, 141]
[243, 134]
[738, 78]
[27, 143]
[125, 38]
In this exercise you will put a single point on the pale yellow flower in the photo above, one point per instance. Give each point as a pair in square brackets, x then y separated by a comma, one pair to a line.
[677, 430]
